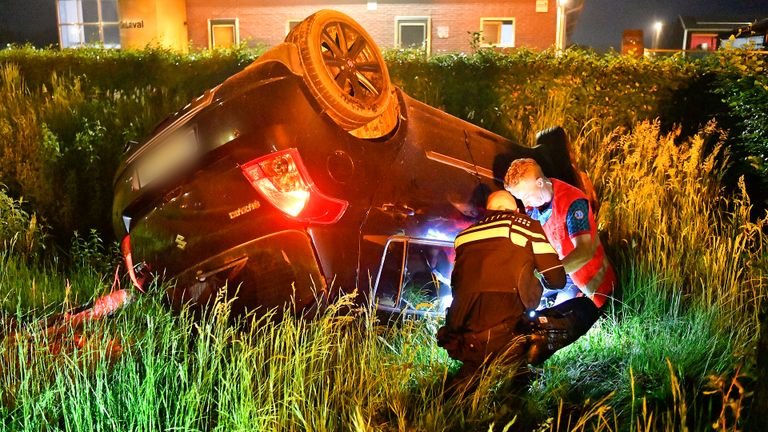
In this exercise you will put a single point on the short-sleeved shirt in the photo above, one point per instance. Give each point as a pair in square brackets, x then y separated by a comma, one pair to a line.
[577, 217]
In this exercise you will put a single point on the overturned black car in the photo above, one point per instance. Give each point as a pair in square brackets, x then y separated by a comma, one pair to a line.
[309, 172]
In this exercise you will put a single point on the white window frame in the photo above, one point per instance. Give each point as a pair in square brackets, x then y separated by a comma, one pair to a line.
[288, 23]
[425, 21]
[500, 20]
[223, 22]
[81, 25]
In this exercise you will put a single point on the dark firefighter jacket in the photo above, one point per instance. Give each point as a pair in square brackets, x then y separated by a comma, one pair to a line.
[493, 278]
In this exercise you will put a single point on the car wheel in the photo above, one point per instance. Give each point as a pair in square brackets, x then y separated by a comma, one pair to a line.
[344, 68]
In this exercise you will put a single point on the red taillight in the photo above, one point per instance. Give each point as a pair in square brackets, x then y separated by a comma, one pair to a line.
[282, 179]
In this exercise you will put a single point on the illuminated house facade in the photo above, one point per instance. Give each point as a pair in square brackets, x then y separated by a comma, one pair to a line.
[706, 35]
[122, 23]
[753, 36]
[434, 25]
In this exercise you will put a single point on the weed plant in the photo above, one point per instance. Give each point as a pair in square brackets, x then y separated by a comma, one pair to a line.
[20, 232]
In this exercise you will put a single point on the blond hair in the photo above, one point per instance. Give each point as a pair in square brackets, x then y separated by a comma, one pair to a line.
[518, 170]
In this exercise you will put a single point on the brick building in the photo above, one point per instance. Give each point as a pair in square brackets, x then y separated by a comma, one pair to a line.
[434, 25]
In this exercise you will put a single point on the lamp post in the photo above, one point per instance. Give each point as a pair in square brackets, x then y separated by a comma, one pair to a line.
[560, 34]
[657, 25]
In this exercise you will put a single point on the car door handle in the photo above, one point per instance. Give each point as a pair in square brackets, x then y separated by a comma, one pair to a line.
[401, 210]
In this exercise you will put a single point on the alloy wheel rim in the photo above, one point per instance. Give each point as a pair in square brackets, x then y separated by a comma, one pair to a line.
[351, 62]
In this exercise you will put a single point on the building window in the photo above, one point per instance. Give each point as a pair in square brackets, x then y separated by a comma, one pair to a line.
[498, 31]
[290, 24]
[412, 32]
[223, 33]
[87, 22]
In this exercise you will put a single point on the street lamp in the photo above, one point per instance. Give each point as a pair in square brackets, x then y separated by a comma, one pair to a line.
[560, 34]
[658, 25]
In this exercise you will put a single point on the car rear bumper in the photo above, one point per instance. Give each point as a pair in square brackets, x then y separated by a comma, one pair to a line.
[268, 273]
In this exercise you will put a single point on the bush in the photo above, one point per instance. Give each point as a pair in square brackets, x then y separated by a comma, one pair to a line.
[67, 116]
[514, 93]
[742, 82]
[128, 70]
[20, 232]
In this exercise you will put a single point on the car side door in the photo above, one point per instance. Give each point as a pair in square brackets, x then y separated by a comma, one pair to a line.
[430, 192]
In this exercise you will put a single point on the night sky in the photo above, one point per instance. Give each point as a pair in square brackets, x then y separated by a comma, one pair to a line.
[28, 21]
[602, 22]
[600, 26]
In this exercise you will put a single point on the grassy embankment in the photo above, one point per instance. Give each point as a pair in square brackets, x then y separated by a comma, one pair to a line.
[672, 353]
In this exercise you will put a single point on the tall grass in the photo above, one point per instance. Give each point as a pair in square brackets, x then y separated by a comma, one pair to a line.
[693, 270]
[62, 142]
[339, 372]
[664, 213]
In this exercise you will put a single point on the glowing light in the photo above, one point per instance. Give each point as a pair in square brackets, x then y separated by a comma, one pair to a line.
[657, 25]
[445, 302]
[435, 234]
[291, 202]
[282, 179]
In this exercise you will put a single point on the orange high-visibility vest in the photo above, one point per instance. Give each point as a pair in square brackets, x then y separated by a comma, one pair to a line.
[557, 233]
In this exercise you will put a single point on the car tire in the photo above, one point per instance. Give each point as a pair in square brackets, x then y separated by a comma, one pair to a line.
[344, 68]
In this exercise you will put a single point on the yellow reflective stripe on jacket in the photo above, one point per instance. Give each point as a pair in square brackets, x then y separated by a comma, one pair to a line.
[505, 228]
[543, 247]
[504, 223]
[529, 233]
[464, 238]
[518, 239]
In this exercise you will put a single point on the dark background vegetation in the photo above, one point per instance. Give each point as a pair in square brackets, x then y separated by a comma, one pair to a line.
[67, 176]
